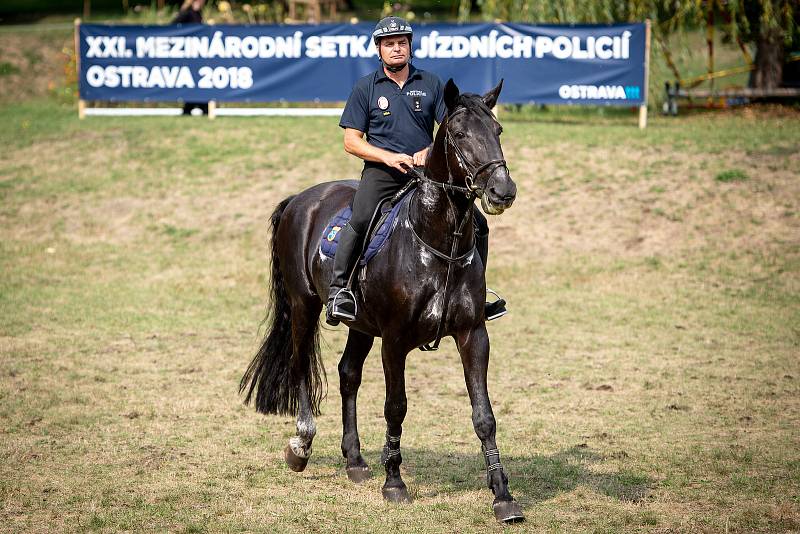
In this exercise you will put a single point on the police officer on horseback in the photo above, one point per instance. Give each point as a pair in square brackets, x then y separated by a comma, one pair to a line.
[395, 107]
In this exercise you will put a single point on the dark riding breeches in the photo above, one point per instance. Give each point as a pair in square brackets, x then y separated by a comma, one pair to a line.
[379, 182]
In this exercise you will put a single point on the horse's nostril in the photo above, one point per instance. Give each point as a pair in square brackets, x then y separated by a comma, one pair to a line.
[500, 195]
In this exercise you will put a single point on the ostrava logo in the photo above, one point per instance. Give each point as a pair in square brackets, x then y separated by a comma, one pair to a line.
[599, 92]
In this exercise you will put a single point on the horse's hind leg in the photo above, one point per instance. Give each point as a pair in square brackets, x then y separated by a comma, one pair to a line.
[350, 367]
[305, 317]
[474, 348]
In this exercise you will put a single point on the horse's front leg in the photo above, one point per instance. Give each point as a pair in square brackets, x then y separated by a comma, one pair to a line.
[394, 411]
[350, 367]
[474, 348]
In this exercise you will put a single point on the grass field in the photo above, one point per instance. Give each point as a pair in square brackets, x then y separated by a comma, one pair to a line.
[647, 378]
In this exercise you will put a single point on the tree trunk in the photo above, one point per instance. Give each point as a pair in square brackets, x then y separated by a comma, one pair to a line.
[770, 55]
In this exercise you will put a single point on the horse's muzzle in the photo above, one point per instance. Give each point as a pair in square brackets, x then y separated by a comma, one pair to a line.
[489, 207]
[499, 196]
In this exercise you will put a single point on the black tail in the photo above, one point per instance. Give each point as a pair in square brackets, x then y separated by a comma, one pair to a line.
[275, 372]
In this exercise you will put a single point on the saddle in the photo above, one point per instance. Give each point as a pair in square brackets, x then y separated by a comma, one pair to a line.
[381, 227]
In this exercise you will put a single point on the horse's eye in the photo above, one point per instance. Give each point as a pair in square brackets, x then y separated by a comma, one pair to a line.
[499, 131]
[460, 135]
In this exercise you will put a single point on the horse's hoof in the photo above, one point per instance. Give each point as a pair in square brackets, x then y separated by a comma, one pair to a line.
[295, 463]
[508, 512]
[358, 474]
[396, 495]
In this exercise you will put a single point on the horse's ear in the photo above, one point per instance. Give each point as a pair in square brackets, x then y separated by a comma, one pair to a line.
[490, 98]
[451, 93]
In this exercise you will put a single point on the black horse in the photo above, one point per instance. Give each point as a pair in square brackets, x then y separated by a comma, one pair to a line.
[428, 282]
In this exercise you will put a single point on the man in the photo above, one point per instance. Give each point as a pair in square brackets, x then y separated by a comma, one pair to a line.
[395, 107]
[191, 12]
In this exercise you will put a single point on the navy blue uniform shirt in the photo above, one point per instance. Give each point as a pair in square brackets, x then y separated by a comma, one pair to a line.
[395, 119]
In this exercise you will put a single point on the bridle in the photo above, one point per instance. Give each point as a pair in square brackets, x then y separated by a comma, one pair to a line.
[471, 191]
[472, 172]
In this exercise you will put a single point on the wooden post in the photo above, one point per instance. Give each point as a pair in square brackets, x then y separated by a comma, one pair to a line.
[77, 43]
[212, 110]
[643, 107]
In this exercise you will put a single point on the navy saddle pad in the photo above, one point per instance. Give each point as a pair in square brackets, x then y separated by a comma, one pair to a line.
[330, 238]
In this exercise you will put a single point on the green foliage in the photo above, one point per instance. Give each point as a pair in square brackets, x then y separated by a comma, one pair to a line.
[7, 68]
[733, 175]
[746, 16]
[16, 7]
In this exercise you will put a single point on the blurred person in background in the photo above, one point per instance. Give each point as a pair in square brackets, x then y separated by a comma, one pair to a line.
[191, 12]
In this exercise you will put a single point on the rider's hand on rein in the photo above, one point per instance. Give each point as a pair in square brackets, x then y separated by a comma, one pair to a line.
[401, 162]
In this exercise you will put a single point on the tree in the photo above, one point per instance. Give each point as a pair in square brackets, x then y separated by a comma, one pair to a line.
[771, 25]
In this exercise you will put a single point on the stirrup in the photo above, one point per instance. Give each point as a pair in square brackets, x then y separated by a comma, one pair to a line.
[343, 296]
[496, 308]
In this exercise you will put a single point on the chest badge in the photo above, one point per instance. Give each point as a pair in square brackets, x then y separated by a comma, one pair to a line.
[417, 103]
[383, 102]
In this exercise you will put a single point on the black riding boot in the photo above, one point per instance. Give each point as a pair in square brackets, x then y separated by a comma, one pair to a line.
[341, 302]
[493, 310]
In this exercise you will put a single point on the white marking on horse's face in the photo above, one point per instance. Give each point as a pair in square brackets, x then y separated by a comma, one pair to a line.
[322, 257]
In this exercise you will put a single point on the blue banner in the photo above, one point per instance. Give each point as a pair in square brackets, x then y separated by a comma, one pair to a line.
[545, 64]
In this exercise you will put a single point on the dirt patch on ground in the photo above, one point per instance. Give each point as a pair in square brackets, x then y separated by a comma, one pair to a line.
[572, 201]
[613, 201]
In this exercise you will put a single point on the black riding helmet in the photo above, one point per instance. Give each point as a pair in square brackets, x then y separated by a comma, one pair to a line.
[391, 26]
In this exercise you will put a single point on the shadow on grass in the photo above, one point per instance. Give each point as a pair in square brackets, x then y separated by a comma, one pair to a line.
[532, 479]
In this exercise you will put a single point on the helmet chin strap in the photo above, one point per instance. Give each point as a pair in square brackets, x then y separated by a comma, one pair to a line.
[394, 69]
